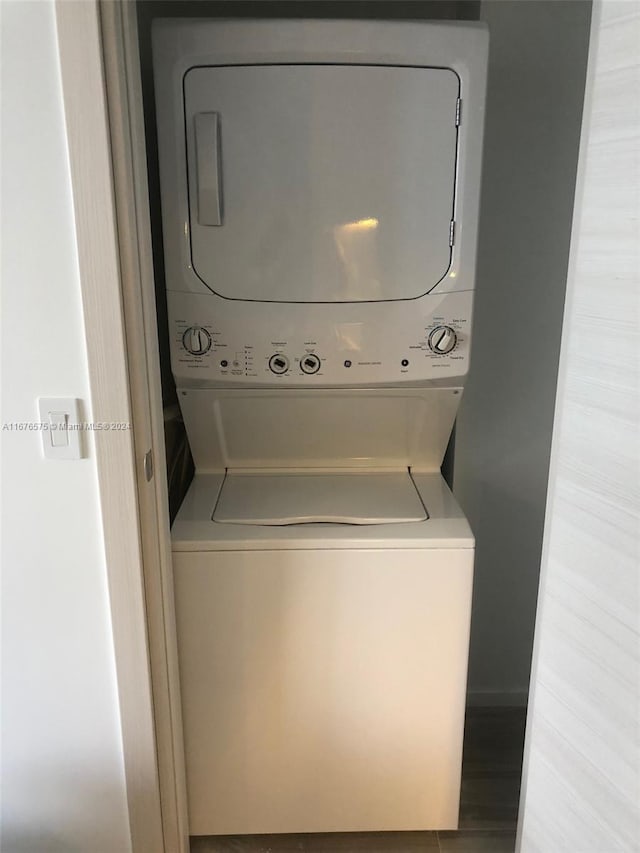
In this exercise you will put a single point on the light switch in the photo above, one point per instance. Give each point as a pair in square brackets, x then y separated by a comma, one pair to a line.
[58, 429]
[61, 427]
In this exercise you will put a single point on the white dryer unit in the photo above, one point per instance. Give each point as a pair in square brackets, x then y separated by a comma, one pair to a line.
[320, 185]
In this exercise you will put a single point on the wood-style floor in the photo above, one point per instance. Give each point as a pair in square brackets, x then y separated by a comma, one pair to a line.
[488, 808]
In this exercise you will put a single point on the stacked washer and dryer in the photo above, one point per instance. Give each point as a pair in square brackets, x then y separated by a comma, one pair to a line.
[320, 186]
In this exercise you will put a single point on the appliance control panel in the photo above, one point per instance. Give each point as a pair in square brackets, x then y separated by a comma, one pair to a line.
[215, 341]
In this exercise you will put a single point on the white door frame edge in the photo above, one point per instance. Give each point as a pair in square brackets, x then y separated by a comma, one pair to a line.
[100, 73]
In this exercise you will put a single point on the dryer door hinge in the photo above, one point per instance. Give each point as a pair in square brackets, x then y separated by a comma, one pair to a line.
[147, 464]
[452, 232]
[458, 111]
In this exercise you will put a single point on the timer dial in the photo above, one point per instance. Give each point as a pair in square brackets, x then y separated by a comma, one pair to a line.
[442, 340]
[196, 341]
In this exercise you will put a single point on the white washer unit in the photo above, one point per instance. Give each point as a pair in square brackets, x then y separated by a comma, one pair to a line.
[320, 185]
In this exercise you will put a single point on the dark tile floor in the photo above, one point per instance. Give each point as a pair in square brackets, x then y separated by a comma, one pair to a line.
[491, 768]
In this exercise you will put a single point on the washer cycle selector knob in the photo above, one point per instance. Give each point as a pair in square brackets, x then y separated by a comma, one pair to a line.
[196, 341]
[442, 340]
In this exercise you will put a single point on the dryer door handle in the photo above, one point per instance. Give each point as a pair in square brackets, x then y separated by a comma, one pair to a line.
[208, 171]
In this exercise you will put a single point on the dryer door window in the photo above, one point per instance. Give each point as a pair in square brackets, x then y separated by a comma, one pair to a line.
[321, 183]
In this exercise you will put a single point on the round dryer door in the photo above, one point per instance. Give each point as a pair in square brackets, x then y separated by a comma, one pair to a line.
[321, 183]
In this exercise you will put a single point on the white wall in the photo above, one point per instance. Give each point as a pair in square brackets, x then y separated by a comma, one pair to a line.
[537, 63]
[581, 790]
[62, 767]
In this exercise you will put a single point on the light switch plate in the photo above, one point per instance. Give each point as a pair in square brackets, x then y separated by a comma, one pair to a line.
[60, 427]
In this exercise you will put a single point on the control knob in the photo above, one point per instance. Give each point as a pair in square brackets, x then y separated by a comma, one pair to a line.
[278, 364]
[310, 363]
[442, 340]
[196, 341]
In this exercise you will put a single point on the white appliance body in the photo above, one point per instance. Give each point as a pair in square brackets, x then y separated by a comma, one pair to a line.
[320, 188]
[323, 667]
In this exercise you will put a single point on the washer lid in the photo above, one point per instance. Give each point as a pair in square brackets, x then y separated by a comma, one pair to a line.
[353, 498]
[321, 183]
